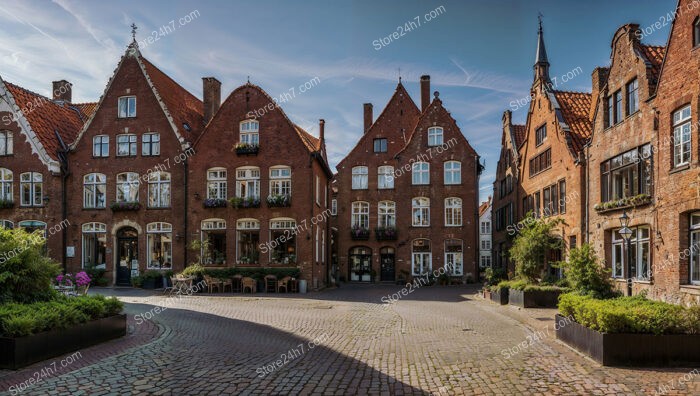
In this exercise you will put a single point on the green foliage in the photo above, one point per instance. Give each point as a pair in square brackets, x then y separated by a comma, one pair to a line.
[17, 320]
[629, 315]
[585, 275]
[152, 274]
[193, 270]
[97, 276]
[532, 244]
[252, 272]
[26, 274]
[136, 281]
[521, 284]
[492, 276]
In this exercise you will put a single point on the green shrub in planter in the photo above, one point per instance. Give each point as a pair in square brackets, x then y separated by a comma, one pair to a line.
[520, 284]
[585, 275]
[136, 281]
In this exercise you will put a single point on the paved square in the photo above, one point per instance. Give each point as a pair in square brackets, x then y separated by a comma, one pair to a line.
[437, 340]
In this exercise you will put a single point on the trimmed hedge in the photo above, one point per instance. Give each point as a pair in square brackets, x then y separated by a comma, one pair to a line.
[630, 315]
[525, 286]
[18, 320]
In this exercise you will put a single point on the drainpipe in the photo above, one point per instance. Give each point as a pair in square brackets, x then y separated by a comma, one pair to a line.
[586, 174]
[65, 172]
[186, 179]
[311, 214]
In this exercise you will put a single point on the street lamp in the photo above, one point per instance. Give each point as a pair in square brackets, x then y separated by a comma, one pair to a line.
[626, 234]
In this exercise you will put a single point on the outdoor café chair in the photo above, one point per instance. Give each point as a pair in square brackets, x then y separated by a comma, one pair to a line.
[284, 284]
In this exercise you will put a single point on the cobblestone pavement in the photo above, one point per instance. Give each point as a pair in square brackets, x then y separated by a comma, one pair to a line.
[437, 340]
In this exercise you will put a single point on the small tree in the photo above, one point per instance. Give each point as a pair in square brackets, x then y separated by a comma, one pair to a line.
[26, 273]
[531, 246]
[585, 274]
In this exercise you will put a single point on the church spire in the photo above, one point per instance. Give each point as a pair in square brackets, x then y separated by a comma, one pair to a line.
[541, 61]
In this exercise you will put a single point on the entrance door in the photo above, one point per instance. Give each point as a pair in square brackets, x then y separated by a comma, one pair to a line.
[388, 268]
[360, 264]
[127, 254]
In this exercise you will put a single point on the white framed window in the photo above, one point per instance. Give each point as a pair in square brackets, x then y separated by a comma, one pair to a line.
[216, 183]
[681, 136]
[126, 145]
[640, 254]
[359, 178]
[694, 248]
[318, 190]
[160, 245]
[283, 233]
[421, 212]
[159, 190]
[360, 215]
[150, 144]
[434, 136]
[32, 226]
[453, 172]
[31, 189]
[385, 177]
[387, 214]
[6, 185]
[248, 182]
[6, 143]
[213, 237]
[454, 257]
[94, 191]
[280, 180]
[421, 257]
[7, 224]
[248, 237]
[127, 107]
[94, 245]
[100, 146]
[420, 173]
[250, 132]
[128, 187]
[453, 212]
[334, 207]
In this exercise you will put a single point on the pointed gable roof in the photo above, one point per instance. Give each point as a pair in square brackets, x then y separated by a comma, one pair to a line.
[572, 110]
[45, 117]
[520, 135]
[653, 55]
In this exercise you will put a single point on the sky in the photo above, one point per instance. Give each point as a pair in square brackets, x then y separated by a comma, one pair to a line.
[479, 53]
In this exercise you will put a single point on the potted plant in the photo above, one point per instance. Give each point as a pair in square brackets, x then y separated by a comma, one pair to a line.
[279, 201]
[247, 202]
[214, 203]
[125, 206]
[7, 203]
[246, 149]
[359, 233]
[136, 281]
[385, 233]
[403, 276]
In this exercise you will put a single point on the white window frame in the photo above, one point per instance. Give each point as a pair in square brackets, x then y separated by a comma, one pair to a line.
[281, 180]
[217, 184]
[420, 173]
[385, 177]
[249, 132]
[150, 144]
[94, 184]
[131, 141]
[248, 182]
[7, 224]
[421, 258]
[420, 206]
[93, 229]
[694, 248]
[35, 182]
[126, 106]
[159, 189]
[130, 184]
[100, 146]
[452, 172]
[318, 190]
[386, 214]
[682, 137]
[435, 136]
[6, 143]
[159, 228]
[360, 214]
[360, 178]
[453, 212]
[6, 185]
[33, 224]
[451, 257]
[334, 207]
[637, 242]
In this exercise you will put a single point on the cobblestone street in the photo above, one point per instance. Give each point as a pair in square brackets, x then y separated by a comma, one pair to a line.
[437, 340]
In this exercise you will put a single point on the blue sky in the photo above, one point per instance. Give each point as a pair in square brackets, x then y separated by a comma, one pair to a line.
[479, 53]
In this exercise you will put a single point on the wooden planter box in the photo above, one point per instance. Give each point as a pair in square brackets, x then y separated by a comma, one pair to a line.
[20, 352]
[626, 349]
[534, 299]
[499, 296]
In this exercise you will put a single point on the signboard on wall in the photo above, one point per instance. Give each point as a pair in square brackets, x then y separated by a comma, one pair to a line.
[70, 251]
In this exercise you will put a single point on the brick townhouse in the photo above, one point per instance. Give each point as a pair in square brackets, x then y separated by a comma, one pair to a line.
[407, 201]
[34, 134]
[506, 190]
[552, 169]
[620, 158]
[676, 271]
[485, 235]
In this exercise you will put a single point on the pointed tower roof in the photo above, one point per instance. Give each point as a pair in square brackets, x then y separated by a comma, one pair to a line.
[541, 60]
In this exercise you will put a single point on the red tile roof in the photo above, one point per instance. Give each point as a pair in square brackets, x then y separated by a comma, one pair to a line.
[311, 142]
[655, 56]
[45, 117]
[86, 109]
[484, 206]
[575, 107]
[184, 107]
[520, 132]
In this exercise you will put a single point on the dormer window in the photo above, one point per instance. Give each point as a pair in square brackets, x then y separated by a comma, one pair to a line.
[249, 132]
[127, 107]
[434, 136]
[696, 32]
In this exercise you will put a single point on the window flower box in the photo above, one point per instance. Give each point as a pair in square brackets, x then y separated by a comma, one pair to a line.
[386, 233]
[279, 201]
[125, 206]
[247, 149]
[215, 203]
[242, 203]
[629, 202]
[359, 233]
[6, 204]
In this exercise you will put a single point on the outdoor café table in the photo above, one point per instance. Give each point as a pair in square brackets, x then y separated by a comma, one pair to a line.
[65, 290]
[183, 284]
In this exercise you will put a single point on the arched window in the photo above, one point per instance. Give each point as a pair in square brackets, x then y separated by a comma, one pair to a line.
[6, 183]
[453, 212]
[216, 183]
[159, 190]
[453, 172]
[94, 245]
[6, 141]
[248, 234]
[421, 212]
[454, 259]
[421, 257]
[33, 226]
[421, 173]
[387, 214]
[128, 187]
[94, 190]
[434, 136]
[160, 245]
[385, 177]
[7, 224]
[249, 132]
[360, 263]
[31, 185]
[359, 178]
[360, 215]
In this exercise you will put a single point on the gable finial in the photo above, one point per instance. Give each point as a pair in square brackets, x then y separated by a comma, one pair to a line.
[133, 31]
[399, 75]
[539, 18]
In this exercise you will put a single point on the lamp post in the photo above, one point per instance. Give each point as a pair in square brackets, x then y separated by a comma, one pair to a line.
[626, 233]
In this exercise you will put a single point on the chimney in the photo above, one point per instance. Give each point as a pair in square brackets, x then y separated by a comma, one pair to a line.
[599, 78]
[211, 94]
[507, 119]
[368, 116]
[424, 92]
[62, 90]
[322, 129]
